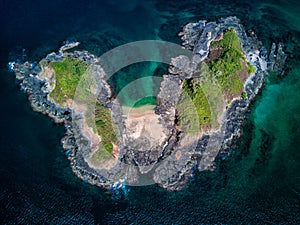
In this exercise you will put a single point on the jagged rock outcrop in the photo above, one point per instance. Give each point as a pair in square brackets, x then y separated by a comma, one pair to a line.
[170, 160]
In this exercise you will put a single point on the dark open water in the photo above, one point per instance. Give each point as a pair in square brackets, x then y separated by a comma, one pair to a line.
[260, 184]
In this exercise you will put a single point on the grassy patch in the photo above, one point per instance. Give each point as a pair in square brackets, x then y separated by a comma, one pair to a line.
[105, 127]
[250, 69]
[243, 95]
[100, 156]
[219, 77]
[67, 75]
[193, 108]
[226, 67]
[107, 131]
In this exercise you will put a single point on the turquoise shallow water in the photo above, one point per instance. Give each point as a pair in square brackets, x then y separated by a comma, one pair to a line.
[135, 86]
[259, 184]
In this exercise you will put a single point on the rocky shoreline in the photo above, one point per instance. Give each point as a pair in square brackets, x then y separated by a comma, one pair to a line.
[172, 162]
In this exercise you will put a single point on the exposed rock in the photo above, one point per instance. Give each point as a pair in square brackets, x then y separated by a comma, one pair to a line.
[171, 159]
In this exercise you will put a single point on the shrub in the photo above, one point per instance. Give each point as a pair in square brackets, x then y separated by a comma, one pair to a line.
[225, 68]
[67, 76]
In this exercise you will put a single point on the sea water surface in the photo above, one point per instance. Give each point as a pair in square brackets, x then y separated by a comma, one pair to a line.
[259, 184]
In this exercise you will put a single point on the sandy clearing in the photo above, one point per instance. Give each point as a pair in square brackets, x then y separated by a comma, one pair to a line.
[142, 122]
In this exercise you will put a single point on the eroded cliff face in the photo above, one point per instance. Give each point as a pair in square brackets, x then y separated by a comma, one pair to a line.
[163, 144]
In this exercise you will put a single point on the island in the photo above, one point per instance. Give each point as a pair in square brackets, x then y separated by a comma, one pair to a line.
[200, 109]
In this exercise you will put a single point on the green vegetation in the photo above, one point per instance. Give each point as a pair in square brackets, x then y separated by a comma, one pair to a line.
[67, 75]
[100, 156]
[193, 108]
[85, 86]
[108, 133]
[226, 67]
[250, 69]
[203, 94]
[244, 95]
[105, 127]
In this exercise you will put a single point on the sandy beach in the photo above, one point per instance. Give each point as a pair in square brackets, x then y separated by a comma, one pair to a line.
[142, 122]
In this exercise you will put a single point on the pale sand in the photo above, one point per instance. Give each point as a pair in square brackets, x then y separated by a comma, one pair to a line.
[143, 122]
[140, 122]
[48, 74]
[86, 130]
[108, 163]
[95, 142]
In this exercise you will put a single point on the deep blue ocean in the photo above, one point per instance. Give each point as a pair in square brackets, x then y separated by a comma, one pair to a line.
[259, 184]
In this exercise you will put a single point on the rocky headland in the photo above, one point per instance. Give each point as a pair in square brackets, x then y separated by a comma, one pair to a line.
[110, 145]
